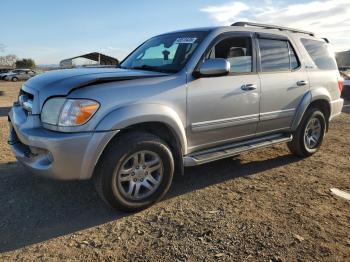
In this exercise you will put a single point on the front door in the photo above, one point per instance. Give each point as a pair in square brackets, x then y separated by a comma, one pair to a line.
[226, 108]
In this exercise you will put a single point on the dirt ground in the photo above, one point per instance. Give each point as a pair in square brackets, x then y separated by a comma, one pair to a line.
[265, 205]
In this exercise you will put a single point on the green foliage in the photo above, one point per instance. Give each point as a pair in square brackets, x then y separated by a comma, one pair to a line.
[25, 63]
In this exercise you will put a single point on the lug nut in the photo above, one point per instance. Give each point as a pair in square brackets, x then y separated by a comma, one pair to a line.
[144, 166]
[132, 173]
[137, 167]
[135, 179]
[141, 179]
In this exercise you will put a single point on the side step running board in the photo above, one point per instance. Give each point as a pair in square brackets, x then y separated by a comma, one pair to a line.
[221, 152]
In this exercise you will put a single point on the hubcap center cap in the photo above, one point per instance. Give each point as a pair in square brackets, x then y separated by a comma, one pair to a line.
[140, 173]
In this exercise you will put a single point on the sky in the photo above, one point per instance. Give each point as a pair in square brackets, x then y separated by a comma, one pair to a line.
[49, 31]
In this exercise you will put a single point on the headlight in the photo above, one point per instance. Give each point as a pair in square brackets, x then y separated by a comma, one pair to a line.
[51, 110]
[68, 112]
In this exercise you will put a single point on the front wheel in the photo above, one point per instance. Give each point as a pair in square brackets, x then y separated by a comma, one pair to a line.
[135, 171]
[310, 133]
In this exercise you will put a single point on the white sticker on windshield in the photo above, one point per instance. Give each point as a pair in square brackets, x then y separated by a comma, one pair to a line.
[185, 40]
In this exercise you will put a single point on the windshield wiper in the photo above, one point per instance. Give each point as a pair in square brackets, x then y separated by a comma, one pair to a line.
[150, 68]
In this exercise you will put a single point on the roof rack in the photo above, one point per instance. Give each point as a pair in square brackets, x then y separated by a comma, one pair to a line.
[281, 28]
[326, 40]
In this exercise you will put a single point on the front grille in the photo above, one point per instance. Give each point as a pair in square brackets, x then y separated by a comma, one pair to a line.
[29, 95]
[25, 99]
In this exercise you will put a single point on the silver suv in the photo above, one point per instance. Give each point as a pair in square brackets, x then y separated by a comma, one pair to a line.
[18, 74]
[180, 99]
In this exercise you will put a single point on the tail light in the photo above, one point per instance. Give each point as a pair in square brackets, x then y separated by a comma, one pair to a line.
[340, 83]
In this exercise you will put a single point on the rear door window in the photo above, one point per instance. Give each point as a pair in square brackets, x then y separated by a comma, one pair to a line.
[320, 54]
[294, 62]
[277, 55]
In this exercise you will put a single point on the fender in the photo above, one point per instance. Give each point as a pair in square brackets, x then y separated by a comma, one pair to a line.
[126, 116]
[311, 96]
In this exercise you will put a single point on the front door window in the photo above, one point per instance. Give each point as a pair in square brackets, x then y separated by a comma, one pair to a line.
[236, 50]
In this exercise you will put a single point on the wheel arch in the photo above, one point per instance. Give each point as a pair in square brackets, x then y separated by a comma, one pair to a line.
[130, 115]
[319, 98]
[164, 132]
[158, 120]
[325, 107]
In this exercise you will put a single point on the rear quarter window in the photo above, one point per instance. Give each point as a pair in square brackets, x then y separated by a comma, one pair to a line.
[320, 54]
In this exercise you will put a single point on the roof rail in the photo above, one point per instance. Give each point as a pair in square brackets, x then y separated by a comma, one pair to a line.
[281, 28]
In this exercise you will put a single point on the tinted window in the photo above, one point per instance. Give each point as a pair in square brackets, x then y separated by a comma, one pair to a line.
[320, 54]
[274, 55]
[294, 62]
[236, 50]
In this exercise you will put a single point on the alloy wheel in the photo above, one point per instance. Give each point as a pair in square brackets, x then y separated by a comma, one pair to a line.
[312, 133]
[140, 175]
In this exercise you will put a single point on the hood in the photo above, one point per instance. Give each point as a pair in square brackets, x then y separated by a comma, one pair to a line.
[62, 82]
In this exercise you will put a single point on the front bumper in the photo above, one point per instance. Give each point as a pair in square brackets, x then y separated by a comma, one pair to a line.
[63, 156]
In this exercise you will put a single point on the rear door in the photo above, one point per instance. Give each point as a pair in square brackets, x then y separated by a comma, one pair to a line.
[283, 82]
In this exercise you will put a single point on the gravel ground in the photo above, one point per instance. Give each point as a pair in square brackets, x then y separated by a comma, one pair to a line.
[265, 205]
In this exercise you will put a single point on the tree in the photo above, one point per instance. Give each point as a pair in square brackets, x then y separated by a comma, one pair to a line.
[8, 60]
[25, 63]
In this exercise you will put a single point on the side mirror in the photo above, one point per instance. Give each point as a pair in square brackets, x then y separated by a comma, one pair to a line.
[214, 67]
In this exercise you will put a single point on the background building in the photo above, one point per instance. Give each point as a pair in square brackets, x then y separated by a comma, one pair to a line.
[91, 59]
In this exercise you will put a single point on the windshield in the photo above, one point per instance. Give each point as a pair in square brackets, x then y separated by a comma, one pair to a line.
[165, 53]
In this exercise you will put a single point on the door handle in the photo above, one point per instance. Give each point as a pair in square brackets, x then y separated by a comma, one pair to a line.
[248, 87]
[302, 83]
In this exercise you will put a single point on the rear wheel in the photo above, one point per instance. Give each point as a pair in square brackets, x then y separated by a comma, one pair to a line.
[134, 172]
[310, 133]
[14, 79]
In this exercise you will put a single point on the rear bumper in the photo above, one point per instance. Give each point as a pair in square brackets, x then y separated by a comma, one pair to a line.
[336, 107]
[64, 156]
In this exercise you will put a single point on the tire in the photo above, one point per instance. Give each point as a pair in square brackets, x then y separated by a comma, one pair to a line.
[14, 79]
[123, 153]
[300, 145]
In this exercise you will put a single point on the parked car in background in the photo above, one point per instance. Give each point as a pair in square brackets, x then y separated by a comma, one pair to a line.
[18, 74]
[3, 72]
[346, 87]
[180, 99]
